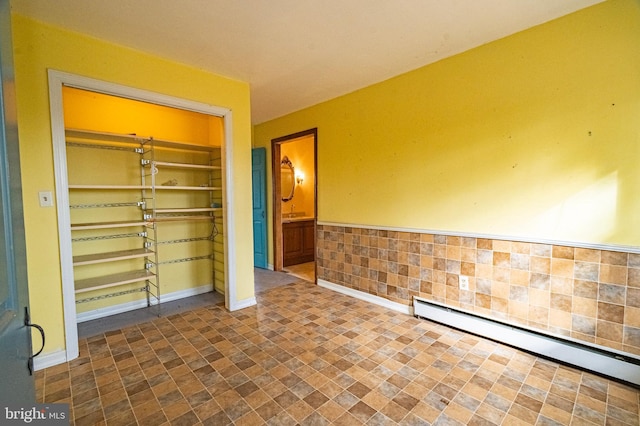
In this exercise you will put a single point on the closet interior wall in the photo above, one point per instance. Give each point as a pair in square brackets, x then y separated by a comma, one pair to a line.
[146, 210]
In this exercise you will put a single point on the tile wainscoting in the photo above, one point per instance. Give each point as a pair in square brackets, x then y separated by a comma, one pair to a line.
[591, 295]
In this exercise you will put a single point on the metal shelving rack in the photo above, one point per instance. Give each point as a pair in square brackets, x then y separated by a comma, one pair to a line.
[203, 159]
[155, 159]
[122, 278]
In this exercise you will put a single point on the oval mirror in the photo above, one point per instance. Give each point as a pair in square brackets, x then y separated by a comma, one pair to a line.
[287, 179]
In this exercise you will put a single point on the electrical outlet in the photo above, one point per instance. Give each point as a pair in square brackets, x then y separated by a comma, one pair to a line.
[46, 198]
[464, 282]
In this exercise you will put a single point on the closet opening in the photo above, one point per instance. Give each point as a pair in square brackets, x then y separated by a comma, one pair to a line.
[142, 193]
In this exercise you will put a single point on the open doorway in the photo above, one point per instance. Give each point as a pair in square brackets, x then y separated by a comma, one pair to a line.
[198, 190]
[294, 168]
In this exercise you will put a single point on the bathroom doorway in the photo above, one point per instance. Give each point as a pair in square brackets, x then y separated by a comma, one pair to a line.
[294, 171]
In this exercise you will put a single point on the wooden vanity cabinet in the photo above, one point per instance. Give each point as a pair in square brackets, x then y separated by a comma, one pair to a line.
[298, 242]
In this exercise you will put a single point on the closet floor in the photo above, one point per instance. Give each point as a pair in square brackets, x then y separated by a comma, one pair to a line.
[264, 280]
[139, 316]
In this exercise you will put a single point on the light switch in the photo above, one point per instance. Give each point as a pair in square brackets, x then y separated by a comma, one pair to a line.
[46, 198]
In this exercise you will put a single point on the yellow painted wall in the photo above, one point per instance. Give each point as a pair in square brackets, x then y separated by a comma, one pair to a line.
[301, 154]
[536, 135]
[88, 110]
[38, 47]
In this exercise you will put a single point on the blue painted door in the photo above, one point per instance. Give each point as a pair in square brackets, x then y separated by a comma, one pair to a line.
[259, 180]
[16, 383]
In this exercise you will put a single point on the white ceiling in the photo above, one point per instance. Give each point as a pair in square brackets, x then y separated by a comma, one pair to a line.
[297, 53]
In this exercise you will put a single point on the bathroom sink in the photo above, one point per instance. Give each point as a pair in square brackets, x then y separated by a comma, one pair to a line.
[293, 215]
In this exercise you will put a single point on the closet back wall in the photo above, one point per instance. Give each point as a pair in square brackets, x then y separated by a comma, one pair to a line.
[95, 111]
[98, 112]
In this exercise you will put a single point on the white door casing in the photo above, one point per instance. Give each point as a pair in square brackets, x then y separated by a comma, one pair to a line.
[58, 79]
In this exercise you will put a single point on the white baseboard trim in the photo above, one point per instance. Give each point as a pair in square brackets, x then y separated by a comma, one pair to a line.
[49, 360]
[110, 310]
[138, 304]
[377, 300]
[241, 304]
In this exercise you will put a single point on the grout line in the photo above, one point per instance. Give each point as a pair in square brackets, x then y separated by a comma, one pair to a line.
[295, 329]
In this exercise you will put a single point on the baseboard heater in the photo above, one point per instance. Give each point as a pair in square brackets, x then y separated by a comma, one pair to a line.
[613, 364]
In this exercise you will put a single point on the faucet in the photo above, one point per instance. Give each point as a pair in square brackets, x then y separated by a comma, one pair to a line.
[293, 206]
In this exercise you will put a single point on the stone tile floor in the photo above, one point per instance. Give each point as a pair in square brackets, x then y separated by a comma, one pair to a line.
[307, 355]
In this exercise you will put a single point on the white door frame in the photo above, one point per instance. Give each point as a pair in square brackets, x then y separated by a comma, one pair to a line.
[57, 79]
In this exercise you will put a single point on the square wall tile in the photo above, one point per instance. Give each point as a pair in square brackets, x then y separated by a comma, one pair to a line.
[570, 289]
